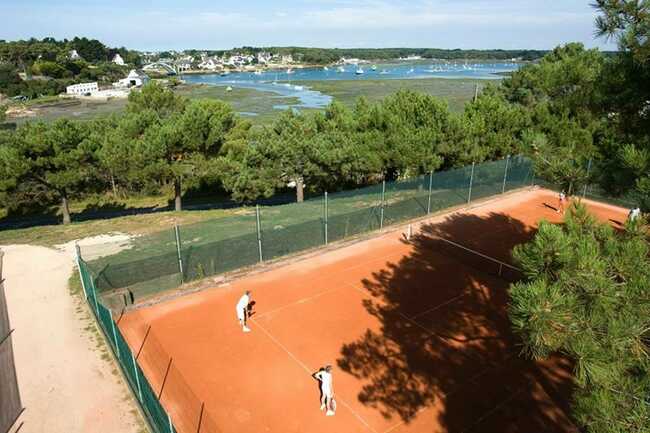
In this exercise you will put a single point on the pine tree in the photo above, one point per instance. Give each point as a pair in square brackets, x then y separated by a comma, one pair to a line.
[587, 295]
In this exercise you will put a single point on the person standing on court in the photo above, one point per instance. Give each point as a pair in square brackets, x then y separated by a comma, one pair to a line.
[324, 377]
[561, 199]
[242, 310]
[634, 214]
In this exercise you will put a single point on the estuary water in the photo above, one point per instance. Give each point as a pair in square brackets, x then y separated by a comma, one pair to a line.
[288, 82]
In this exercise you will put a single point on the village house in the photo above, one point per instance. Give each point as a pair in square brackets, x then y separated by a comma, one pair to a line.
[118, 60]
[74, 55]
[82, 89]
[136, 78]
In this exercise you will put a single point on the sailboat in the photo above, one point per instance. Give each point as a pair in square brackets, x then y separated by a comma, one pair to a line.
[374, 67]
[289, 71]
[340, 69]
[359, 71]
[325, 68]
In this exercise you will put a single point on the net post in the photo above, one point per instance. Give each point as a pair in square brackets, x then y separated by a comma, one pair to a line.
[259, 232]
[171, 426]
[430, 191]
[326, 217]
[471, 181]
[505, 175]
[117, 348]
[383, 197]
[137, 376]
[178, 250]
[584, 192]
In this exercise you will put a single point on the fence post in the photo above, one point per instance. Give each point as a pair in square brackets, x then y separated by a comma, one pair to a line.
[326, 217]
[505, 175]
[259, 231]
[137, 377]
[471, 181]
[584, 192]
[178, 250]
[117, 348]
[383, 197]
[430, 191]
[78, 257]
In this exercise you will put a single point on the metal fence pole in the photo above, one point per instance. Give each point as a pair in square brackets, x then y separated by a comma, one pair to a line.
[584, 192]
[430, 191]
[178, 251]
[383, 197]
[117, 348]
[259, 231]
[471, 181]
[83, 285]
[505, 175]
[137, 376]
[326, 216]
[171, 426]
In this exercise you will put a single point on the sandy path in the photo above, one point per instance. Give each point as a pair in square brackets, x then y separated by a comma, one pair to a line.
[67, 384]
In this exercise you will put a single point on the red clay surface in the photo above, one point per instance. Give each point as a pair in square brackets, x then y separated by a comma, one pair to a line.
[419, 341]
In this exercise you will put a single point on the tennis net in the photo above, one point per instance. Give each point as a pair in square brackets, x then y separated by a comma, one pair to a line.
[477, 259]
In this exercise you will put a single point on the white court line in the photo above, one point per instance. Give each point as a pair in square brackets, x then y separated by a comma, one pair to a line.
[310, 372]
[300, 301]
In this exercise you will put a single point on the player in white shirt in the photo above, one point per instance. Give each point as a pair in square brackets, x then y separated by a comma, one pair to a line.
[242, 310]
[324, 376]
[561, 198]
[634, 214]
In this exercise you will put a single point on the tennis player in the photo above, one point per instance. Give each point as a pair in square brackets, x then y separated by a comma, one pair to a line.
[324, 376]
[561, 199]
[242, 310]
[634, 214]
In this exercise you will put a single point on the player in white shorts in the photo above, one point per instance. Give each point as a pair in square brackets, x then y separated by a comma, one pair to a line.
[324, 376]
[242, 310]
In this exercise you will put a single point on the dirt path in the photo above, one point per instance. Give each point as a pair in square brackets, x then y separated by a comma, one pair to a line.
[67, 381]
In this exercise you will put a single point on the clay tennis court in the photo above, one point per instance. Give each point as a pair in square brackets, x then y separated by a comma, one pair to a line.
[420, 341]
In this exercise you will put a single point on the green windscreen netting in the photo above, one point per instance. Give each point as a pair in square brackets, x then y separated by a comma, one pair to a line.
[353, 212]
[291, 228]
[164, 260]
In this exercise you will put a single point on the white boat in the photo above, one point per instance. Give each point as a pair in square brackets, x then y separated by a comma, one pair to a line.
[298, 87]
[228, 89]
[410, 71]
[258, 72]
[289, 71]
[225, 73]
[359, 71]
[325, 68]
[374, 67]
[340, 69]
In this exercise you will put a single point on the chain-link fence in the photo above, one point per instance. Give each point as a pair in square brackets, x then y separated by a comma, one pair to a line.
[166, 259]
[10, 403]
[162, 383]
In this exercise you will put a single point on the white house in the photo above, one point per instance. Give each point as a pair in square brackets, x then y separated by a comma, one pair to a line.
[287, 59]
[136, 78]
[82, 89]
[74, 55]
[118, 60]
[210, 64]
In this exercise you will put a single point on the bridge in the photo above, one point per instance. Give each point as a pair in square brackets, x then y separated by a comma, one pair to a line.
[160, 66]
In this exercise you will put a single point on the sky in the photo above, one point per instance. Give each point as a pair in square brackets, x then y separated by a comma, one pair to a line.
[215, 24]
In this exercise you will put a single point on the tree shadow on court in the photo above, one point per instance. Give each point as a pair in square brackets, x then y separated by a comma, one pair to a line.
[445, 340]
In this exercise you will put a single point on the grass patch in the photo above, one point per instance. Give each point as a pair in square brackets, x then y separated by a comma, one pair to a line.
[457, 92]
[50, 235]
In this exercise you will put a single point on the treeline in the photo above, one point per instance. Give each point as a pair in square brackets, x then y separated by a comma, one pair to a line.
[48, 67]
[331, 55]
[564, 111]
